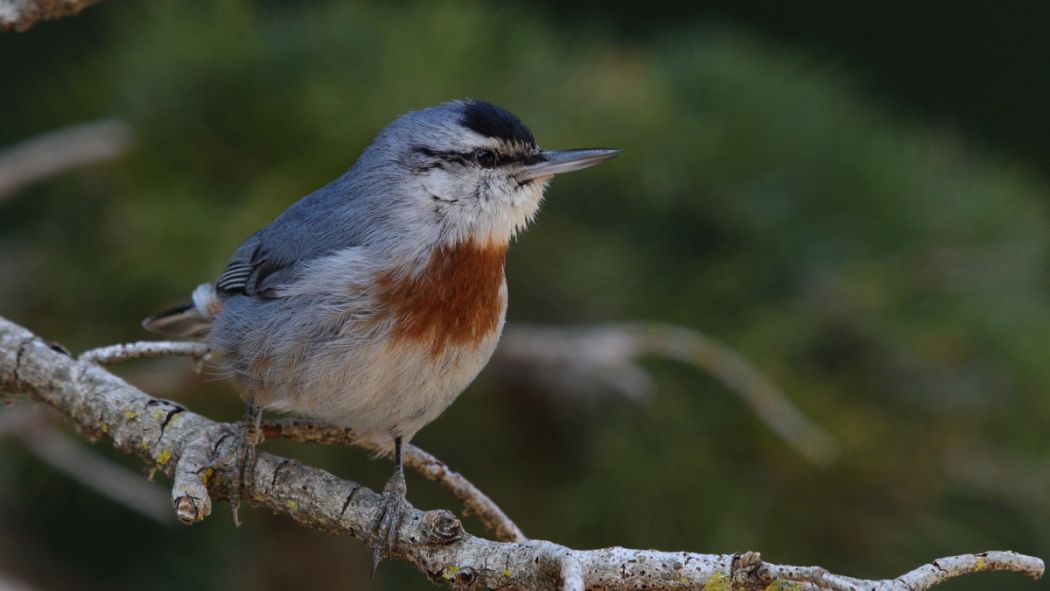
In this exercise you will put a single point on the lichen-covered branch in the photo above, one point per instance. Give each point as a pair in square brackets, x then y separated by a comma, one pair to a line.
[193, 450]
[19, 15]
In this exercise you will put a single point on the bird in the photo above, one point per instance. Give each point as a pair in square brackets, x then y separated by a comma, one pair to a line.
[374, 301]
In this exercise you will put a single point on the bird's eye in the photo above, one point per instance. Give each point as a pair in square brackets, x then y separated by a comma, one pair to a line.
[486, 158]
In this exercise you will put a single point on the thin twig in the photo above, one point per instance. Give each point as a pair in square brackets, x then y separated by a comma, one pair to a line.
[112, 354]
[474, 501]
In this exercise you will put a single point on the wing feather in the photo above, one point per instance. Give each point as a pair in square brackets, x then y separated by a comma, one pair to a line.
[273, 256]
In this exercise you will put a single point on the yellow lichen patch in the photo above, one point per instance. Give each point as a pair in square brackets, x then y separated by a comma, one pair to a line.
[292, 505]
[718, 582]
[103, 427]
[980, 565]
[506, 572]
[450, 572]
[130, 414]
[157, 415]
[144, 443]
[206, 476]
[163, 457]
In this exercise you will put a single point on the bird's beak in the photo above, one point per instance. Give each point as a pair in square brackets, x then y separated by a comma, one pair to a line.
[565, 161]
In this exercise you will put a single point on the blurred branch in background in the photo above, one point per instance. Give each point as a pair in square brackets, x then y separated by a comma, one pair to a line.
[9, 584]
[201, 460]
[90, 469]
[606, 357]
[1021, 479]
[20, 15]
[59, 151]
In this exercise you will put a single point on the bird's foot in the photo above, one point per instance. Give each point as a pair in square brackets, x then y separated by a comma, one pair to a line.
[385, 527]
[248, 434]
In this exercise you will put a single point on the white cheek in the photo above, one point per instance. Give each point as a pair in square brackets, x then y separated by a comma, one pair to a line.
[439, 183]
[492, 213]
[529, 196]
[512, 213]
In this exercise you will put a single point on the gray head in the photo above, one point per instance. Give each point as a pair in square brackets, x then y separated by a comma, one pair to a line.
[465, 171]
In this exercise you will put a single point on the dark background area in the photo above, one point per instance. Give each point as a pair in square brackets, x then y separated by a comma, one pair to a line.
[982, 67]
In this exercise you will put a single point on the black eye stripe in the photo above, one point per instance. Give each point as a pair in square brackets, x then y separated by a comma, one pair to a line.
[533, 158]
[440, 155]
[468, 158]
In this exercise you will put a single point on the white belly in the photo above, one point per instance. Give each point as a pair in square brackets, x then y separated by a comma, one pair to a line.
[384, 389]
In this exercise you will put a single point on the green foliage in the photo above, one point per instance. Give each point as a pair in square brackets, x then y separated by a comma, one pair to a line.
[889, 276]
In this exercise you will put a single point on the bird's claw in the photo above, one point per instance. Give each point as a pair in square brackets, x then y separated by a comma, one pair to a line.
[385, 527]
[248, 435]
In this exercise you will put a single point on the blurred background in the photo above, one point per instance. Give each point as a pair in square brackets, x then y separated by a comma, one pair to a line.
[854, 199]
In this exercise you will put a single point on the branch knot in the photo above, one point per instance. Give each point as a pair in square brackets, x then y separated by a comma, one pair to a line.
[747, 570]
[441, 527]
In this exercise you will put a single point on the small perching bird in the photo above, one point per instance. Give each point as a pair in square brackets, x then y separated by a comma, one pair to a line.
[374, 301]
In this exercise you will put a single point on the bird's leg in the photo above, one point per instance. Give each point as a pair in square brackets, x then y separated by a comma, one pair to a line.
[249, 435]
[384, 529]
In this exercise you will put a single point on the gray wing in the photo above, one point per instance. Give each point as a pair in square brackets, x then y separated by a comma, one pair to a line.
[257, 270]
[273, 256]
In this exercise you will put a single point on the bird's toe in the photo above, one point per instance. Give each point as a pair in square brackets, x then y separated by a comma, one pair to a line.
[384, 530]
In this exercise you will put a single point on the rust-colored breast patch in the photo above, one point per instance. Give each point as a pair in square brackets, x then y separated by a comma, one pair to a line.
[456, 299]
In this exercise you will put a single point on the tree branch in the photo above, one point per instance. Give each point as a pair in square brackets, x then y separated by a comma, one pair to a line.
[196, 450]
[20, 15]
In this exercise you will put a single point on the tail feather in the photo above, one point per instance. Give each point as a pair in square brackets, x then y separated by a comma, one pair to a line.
[184, 321]
[192, 320]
